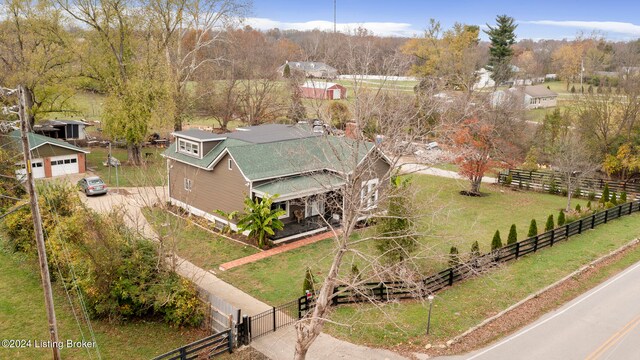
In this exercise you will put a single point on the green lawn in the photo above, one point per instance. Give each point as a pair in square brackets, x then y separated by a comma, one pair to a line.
[450, 219]
[195, 244]
[152, 173]
[22, 316]
[468, 303]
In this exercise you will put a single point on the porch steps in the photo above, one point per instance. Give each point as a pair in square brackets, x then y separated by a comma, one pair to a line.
[278, 250]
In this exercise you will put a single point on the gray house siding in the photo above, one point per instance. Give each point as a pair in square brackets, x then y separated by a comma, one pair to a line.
[218, 189]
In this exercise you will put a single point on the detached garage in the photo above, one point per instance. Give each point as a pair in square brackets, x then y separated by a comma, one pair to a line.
[50, 157]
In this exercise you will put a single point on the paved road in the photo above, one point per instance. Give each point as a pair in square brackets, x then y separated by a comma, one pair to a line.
[603, 323]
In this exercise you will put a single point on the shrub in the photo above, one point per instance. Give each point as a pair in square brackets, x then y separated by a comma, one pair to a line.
[573, 89]
[513, 235]
[614, 198]
[454, 257]
[397, 227]
[549, 225]
[564, 192]
[609, 205]
[475, 249]
[553, 187]
[533, 228]
[508, 180]
[577, 192]
[589, 204]
[578, 208]
[309, 281]
[496, 243]
[623, 197]
[591, 196]
[561, 218]
[605, 194]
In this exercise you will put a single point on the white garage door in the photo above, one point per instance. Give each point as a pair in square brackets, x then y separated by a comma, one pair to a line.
[64, 165]
[37, 169]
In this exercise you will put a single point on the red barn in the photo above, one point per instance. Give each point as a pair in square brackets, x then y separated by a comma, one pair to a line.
[323, 90]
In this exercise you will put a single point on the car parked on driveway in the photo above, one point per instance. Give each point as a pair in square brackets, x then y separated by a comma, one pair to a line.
[92, 186]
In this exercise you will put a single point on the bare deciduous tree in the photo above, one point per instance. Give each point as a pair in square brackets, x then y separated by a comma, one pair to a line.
[574, 162]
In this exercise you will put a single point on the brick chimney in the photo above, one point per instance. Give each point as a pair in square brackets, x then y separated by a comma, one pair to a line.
[352, 131]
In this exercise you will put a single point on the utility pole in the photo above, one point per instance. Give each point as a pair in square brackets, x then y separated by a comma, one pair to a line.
[37, 226]
[334, 16]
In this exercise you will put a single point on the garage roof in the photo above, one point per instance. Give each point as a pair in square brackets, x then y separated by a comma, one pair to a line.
[35, 141]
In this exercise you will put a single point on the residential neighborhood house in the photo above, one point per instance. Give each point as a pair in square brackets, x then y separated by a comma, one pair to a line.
[307, 169]
[310, 69]
[49, 157]
[538, 96]
[323, 90]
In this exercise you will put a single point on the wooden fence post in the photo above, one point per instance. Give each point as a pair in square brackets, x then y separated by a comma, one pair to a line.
[230, 339]
[566, 231]
[553, 233]
[619, 210]
[517, 250]
[450, 276]
[593, 221]
[630, 208]
[580, 226]
[606, 215]
[535, 243]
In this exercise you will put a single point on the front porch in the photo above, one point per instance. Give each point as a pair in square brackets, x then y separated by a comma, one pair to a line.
[311, 204]
[306, 227]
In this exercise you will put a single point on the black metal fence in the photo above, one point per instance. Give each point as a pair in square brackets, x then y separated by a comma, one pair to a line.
[204, 348]
[543, 181]
[278, 316]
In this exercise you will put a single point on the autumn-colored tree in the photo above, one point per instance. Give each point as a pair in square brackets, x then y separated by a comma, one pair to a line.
[450, 56]
[474, 146]
[568, 60]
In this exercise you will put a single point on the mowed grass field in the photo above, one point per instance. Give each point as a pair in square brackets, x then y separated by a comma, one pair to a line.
[449, 219]
[23, 316]
[466, 304]
[152, 173]
[189, 241]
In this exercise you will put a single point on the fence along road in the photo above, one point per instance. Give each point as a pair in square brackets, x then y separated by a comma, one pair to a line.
[603, 323]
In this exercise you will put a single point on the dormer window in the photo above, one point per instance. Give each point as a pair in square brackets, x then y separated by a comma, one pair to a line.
[189, 147]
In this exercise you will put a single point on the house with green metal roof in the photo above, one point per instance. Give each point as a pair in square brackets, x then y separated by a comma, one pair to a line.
[306, 169]
[49, 157]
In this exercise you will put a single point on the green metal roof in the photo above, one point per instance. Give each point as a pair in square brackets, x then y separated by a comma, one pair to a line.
[270, 160]
[207, 159]
[36, 141]
[298, 186]
[283, 158]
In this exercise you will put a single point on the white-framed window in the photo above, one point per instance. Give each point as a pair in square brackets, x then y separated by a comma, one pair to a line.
[189, 147]
[229, 164]
[188, 184]
[369, 194]
[281, 205]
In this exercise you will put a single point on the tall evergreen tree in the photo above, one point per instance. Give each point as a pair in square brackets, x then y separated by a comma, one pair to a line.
[496, 243]
[533, 228]
[561, 218]
[549, 225]
[513, 235]
[502, 37]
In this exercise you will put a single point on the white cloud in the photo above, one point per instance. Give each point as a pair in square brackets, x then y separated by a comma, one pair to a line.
[378, 28]
[607, 26]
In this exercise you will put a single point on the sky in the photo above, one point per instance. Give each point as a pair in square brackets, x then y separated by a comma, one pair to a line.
[537, 19]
